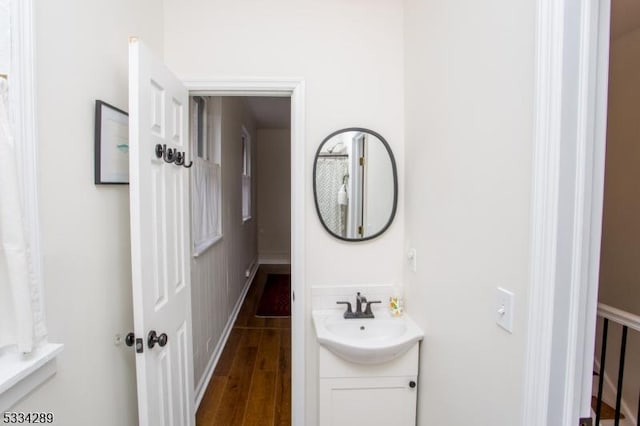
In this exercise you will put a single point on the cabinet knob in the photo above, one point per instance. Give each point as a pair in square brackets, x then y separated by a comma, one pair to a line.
[412, 384]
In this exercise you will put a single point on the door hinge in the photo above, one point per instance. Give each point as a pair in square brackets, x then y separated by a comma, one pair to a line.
[585, 421]
[293, 296]
[362, 161]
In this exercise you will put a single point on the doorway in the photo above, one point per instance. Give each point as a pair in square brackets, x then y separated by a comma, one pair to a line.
[568, 173]
[569, 162]
[616, 385]
[294, 90]
[242, 179]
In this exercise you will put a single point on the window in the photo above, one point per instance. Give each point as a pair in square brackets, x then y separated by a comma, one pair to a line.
[246, 174]
[206, 188]
[27, 359]
[22, 305]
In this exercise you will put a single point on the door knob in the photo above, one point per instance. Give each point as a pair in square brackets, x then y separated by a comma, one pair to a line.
[154, 338]
[130, 340]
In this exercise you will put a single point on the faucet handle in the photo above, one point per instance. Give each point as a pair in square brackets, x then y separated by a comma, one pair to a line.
[367, 310]
[349, 311]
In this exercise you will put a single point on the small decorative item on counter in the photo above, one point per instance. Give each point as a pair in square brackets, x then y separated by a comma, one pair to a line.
[395, 306]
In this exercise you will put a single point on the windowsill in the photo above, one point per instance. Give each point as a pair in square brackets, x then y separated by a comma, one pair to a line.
[19, 375]
[206, 245]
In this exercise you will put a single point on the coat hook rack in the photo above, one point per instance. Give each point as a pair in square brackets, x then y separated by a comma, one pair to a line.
[171, 155]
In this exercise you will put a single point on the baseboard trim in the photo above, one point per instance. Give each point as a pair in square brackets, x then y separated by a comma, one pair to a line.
[215, 357]
[274, 259]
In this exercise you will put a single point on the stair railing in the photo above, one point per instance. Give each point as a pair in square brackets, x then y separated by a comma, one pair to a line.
[627, 321]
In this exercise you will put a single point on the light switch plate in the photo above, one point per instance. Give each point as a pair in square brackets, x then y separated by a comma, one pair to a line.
[504, 309]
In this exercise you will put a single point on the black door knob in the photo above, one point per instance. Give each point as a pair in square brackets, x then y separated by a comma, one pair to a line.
[412, 384]
[130, 339]
[154, 338]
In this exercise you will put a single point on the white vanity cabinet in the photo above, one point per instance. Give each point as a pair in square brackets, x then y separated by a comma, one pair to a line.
[374, 395]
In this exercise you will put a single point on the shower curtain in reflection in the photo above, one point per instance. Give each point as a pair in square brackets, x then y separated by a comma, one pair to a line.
[330, 172]
[21, 313]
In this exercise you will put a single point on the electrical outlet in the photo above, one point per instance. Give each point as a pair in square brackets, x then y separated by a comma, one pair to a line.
[504, 309]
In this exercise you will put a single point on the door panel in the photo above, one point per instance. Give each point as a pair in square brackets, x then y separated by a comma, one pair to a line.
[160, 220]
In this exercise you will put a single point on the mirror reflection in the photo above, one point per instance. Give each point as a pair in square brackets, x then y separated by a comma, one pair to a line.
[355, 184]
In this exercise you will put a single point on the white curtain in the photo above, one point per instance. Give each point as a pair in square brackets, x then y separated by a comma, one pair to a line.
[330, 176]
[205, 193]
[21, 317]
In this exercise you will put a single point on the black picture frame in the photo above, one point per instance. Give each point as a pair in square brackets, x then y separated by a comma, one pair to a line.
[111, 141]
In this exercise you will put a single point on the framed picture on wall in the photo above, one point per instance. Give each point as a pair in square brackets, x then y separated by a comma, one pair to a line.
[111, 145]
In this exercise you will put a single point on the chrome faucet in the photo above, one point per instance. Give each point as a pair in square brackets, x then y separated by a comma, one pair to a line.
[360, 299]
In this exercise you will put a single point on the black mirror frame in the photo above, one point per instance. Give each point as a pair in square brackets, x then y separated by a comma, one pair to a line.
[395, 183]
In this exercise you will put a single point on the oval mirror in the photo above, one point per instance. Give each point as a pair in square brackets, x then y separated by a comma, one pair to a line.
[355, 184]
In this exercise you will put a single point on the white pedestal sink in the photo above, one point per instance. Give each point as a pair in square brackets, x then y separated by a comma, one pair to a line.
[366, 341]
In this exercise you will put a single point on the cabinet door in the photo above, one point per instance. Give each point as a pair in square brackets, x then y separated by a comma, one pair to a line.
[369, 401]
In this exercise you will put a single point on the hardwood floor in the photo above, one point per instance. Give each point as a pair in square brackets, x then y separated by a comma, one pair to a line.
[251, 384]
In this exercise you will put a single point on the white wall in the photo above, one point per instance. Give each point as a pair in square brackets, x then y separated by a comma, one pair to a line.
[82, 56]
[469, 110]
[273, 150]
[350, 54]
[218, 275]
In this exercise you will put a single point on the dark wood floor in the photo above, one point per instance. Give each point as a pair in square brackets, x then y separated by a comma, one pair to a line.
[251, 384]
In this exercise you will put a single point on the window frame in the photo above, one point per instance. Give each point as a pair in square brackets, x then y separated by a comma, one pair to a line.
[246, 179]
[207, 158]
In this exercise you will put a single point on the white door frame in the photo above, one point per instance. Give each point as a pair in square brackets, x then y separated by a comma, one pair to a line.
[294, 88]
[572, 44]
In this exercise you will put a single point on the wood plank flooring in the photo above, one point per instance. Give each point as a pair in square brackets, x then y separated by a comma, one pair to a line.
[251, 384]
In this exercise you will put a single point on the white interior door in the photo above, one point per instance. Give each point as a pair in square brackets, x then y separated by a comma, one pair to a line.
[160, 214]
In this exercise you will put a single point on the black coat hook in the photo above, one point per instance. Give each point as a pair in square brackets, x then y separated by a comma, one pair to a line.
[160, 150]
[180, 158]
[171, 155]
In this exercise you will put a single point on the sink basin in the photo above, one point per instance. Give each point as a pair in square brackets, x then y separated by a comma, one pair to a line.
[366, 341]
